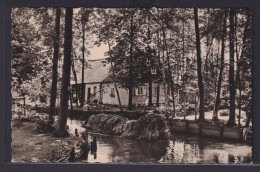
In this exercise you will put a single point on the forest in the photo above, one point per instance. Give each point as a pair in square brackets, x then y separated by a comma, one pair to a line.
[201, 51]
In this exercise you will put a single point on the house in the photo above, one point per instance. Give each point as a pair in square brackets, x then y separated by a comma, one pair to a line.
[100, 87]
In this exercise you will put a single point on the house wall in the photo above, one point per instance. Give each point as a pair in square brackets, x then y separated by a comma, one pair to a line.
[107, 98]
[93, 96]
[110, 99]
[144, 98]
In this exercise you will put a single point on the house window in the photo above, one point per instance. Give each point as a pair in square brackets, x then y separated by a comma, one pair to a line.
[140, 90]
[153, 71]
[95, 90]
[155, 90]
[112, 92]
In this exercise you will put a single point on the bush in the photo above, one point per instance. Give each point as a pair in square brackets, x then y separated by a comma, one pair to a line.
[43, 127]
[224, 113]
[95, 101]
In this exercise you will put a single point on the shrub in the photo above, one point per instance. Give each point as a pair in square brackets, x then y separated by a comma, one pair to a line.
[95, 101]
[42, 126]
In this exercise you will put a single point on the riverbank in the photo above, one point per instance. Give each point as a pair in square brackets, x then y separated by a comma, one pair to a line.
[29, 146]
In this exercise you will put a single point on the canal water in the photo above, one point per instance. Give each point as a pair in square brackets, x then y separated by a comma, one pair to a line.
[178, 149]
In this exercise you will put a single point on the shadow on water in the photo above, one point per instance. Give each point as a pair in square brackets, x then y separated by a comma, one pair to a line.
[178, 149]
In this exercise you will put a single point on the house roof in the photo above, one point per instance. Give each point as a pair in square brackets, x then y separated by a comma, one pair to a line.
[108, 78]
[96, 71]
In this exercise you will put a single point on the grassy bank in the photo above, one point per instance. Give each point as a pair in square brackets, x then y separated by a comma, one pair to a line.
[29, 146]
[148, 127]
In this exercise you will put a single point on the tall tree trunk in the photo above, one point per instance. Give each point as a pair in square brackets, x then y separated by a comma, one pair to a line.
[76, 80]
[150, 100]
[115, 84]
[165, 48]
[215, 112]
[171, 80]
[200, 77]
[71, 103]
[232, 88]
[239, 59]
[158, 95]
[164, 74]
[62, 120]
[130, 87]
[158, 69]
[82, 95]
[118, 97]
[216, 70]
[54, 67]
[183, 80]
[237, 81]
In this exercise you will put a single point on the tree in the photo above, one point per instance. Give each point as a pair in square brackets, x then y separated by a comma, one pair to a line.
[200, 77]
[75, 79]
[240, 60]
[62, 120]
[232, 87]
[84, 19]
[217, 102]
[106, 34]
[24, 45]
[115, 83]
[127, 53]
[32, 44]
[130, 87]
[55, 67]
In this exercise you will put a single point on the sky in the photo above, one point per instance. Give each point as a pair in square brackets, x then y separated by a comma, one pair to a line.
[97, 52]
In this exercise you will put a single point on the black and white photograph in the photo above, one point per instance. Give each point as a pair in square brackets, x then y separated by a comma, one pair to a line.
[130, 85]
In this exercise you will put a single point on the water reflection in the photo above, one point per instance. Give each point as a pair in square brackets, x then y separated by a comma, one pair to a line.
[195, 150]
[178, 149]
[118, 149]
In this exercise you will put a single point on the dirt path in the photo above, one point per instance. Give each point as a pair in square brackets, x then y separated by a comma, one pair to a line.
[28, 146]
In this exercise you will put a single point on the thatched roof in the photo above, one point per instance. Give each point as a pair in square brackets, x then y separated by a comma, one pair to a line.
[96, 71]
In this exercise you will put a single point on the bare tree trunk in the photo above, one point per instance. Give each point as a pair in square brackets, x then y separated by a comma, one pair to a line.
[232, 88]
[76, 80]
[183, 80]
[164, 77]
[150, 100]
[158, 95]
[171, 81]
[54, 67]
[82, 95]
[130, 87]
[118, 97]
[165, 48]
[216, 70]
[159, 67]
[71, 105]
[62, 120]
[238, 85]
[200, 77]
[220, 78]
[238, 82]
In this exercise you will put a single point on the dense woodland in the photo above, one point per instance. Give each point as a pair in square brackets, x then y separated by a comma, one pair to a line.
[207, 52]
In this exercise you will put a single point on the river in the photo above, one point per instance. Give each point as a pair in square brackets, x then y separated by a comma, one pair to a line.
[178, 149]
